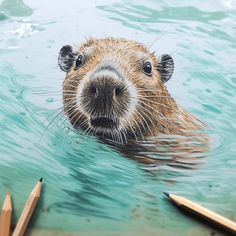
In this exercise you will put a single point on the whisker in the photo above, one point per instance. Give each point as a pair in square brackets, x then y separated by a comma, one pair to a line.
[155, 110]
[154, 96]
[156, 90]
[146, 121]
[154, 102]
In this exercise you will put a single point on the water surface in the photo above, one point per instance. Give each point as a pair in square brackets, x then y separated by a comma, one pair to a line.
[90, 187]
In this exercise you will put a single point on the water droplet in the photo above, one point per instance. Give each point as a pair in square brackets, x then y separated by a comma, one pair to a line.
[49, 100]
[66, 129]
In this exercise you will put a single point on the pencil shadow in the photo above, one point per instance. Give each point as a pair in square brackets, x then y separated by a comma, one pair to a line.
[215, 228]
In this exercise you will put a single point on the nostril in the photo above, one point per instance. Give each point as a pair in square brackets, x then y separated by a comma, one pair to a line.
[118, 91]
[93, 90]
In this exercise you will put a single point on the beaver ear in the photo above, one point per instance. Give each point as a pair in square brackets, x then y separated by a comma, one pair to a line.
[165, 67]
[66, 58]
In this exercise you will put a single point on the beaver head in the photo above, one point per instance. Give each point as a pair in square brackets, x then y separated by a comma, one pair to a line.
[115, 88]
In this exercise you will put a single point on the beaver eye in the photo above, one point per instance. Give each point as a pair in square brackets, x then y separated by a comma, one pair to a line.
[147, 68]
[79, 62]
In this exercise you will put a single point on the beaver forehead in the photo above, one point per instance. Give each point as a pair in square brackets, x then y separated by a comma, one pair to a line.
[114, 42]
[117, 48]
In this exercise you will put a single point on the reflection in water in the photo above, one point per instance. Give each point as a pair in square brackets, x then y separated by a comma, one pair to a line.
[176, 151]
[99, 187]
[93, 196]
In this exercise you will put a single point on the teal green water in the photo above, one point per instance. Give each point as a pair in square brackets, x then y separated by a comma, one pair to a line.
[89, 187]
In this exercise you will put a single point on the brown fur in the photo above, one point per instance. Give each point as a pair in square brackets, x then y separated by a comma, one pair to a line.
[159, 109]
[157, 112]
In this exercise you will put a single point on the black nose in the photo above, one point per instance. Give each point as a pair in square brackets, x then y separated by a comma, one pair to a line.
[107, 90]
[104, 97]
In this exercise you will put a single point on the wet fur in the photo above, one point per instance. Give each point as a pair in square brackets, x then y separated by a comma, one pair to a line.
[161, 113]
[156, 112]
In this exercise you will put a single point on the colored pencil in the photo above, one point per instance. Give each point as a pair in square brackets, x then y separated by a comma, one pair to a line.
[203, 212]
[5, 220]
[28, 210]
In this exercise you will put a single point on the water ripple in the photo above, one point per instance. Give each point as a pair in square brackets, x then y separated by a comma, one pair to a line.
[90, 185]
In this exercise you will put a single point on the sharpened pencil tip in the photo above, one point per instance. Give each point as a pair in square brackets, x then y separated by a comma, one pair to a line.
[167, 194]
[41, 179]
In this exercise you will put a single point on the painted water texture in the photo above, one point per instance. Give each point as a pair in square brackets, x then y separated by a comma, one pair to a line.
[91, 188]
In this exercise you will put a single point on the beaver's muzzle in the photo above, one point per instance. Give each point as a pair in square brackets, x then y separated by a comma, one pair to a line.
[105, 100]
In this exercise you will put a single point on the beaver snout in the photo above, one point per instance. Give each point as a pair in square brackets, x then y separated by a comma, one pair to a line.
[105, 99]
